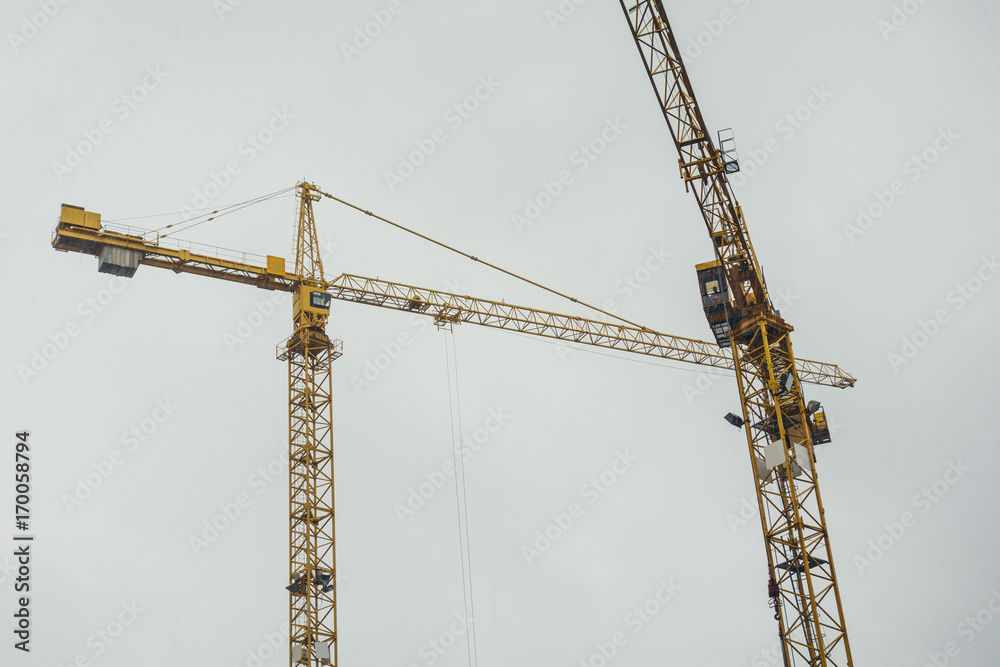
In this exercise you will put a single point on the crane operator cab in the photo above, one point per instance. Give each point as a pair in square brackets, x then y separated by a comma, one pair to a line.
[715, 301]
[311, 306]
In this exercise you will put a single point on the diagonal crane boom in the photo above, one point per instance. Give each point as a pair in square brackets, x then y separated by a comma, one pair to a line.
[310, 353]
[802, 581]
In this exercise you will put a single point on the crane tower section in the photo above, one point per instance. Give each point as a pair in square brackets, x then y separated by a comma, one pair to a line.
[780, 427]
[312, 545]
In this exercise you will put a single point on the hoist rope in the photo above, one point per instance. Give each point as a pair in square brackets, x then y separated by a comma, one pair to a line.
[212, 214]
[481, 261]
[461, 500]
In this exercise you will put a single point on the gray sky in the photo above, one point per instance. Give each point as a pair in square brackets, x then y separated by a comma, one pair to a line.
[136, 109]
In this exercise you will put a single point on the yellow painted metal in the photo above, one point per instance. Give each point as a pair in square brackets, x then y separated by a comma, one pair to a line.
[807, 603]
[312, 545]
[275, 265]
[309, 353]
[802, 579]
[442, 306]
[454, 308]
[214, 263]
[701, 163]
[74, 215]
[310, 303]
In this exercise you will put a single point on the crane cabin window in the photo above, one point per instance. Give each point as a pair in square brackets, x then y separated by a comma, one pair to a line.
[712, 282]
[319, 300]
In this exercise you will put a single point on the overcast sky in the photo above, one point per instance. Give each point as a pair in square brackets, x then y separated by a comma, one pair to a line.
[868, 138]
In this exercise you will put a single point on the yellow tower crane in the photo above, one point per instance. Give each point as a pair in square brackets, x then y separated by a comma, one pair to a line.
[309, 352]
[781, 428]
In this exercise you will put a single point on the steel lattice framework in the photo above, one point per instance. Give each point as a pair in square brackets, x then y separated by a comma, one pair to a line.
[802, 580]
[312, 552]
[795, 526]
[700, 164]
[444, 307]
[448, 308]
[312, 559]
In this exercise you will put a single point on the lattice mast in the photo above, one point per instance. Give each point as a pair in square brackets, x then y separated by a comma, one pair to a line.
[802, 582]
[312, 553]
[309, 353]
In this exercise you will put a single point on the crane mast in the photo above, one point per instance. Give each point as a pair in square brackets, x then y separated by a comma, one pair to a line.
[780, 427]
[310, 354]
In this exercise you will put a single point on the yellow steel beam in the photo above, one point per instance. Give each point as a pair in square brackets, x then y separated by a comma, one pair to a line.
[802, 579]
[309, 352]
[453, 308]
[442, 306]
[312, 610]
[700, 162]
[236, 267]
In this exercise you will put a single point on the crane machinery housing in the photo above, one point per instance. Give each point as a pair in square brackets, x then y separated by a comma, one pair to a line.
[751, 339]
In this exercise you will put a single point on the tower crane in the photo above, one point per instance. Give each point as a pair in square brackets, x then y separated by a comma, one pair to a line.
[309, 352]
[781, 428]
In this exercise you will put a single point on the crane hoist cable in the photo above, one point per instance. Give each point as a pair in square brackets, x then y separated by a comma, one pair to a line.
[220, 212]
[461, 499]
[212, 214]
[477, 259]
